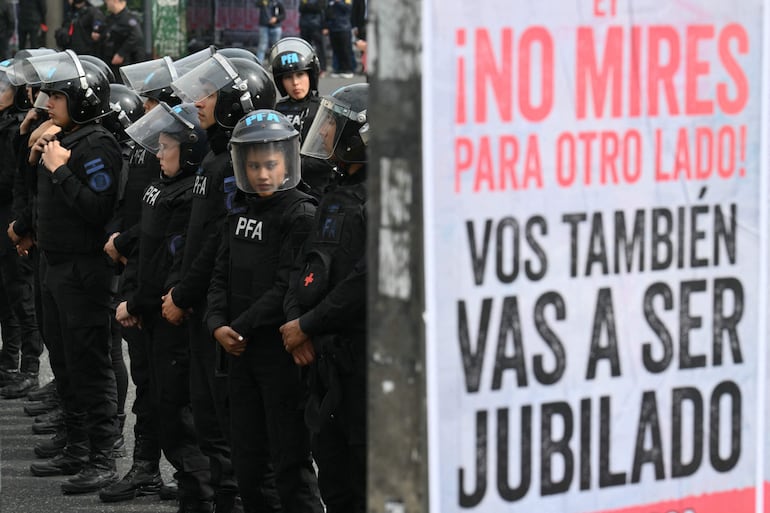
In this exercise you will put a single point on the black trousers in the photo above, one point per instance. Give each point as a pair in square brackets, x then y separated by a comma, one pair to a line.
[30, 36]
[145, 407]
[75, 292]
[342, 48]
[17, 312]
[268, 429]
[170, 382]
[211, 410]
[315, 37]
[339, 446]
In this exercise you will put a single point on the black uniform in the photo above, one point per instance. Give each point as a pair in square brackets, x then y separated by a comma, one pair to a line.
[7, 22]
[316, 173]
[311, 24]
[165, 212]
[32, 14]
[124, 37]
[17, 303]
[266, 392]
[328, 295]
[25, 184]
[24, 210]
[143, 169]
[75, 33]
[213, 190]
[74, 205]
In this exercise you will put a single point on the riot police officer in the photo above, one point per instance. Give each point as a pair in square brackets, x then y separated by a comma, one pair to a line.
[326, 302]
[151, 79]
[22, 343]
[223, 90]
[295, 69]
[76, 190]
[265, 228]
[174, 135]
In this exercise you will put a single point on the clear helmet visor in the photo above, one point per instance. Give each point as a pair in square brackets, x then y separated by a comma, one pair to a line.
[205, 79]
[41, 102]
[162, 119]
[52, 68]
[266, 167]
[328, 125]
[192, 61]
[21, 71]
[149, 75]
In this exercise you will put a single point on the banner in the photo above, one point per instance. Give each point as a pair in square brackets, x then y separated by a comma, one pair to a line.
[169, 28]
[595, 216]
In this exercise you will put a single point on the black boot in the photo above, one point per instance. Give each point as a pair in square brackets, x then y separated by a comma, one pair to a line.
[8, 376]
[48, 422]
[39, 408]
[47, 391]
[52, 447]
[97, 474]
[52, 416]
[169, 491]
[142, 479]
[64, 464]
[26, 383]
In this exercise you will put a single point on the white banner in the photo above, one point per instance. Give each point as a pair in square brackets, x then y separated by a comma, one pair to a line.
[595, 214]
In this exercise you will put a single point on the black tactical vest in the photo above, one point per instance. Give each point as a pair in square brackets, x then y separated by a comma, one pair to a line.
[256, 231]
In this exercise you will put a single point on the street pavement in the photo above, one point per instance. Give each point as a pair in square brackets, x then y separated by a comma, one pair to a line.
[21, 492]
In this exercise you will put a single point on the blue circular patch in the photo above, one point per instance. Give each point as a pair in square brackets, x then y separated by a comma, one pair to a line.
[100, 182]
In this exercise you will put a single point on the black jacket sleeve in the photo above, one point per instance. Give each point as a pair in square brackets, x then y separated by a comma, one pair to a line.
[93, 207]
[193, 286]
[21, 208]
[128, 240]
[217, 314]
[173, 241]
[346, 301]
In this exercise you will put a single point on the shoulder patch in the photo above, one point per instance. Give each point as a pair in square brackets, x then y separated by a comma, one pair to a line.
[92, 166]
[100, 181]
[132, 22]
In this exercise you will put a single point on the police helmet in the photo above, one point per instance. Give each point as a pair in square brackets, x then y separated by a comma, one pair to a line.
[241, 86]
[84, 85]
[152, 79]
[264, 148]
[11, 96]
[180, 122]
[100, 64]
[292, 54]
[238, 53]
[125, 108]
[340, 130]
